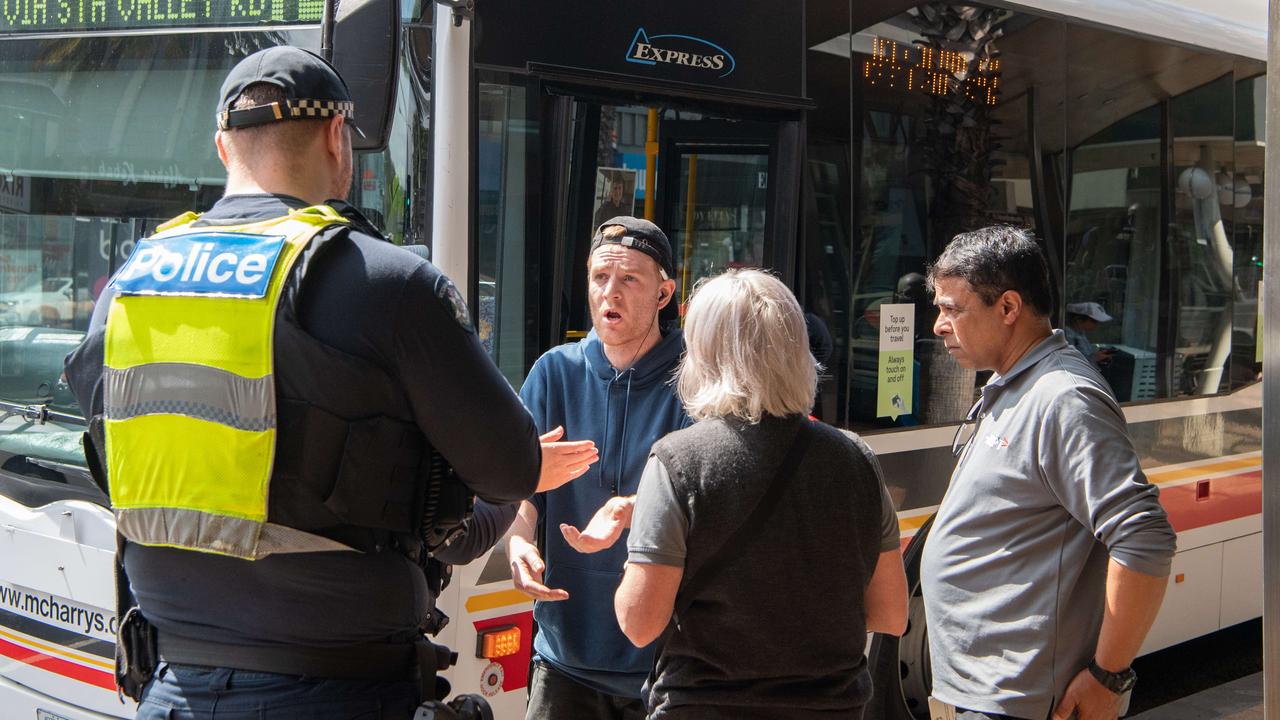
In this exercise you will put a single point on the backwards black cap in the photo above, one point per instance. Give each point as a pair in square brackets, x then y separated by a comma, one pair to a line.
[312, 87]
[640, 235]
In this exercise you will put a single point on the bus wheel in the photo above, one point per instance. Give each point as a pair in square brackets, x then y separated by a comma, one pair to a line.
[900, 666]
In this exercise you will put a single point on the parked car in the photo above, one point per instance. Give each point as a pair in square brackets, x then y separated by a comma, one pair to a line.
[50, 302]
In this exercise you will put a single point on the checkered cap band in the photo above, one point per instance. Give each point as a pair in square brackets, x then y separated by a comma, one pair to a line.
[286, 110]
[321, 108]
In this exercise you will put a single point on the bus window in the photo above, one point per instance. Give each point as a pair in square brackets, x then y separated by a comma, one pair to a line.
[1152, 217]
[942, 139]
[1246, 214]
[507, 136]
[1138, 165]
[96, 150]
[1113, 222]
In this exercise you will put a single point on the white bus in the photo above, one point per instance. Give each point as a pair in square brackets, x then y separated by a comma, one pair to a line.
[838, 144]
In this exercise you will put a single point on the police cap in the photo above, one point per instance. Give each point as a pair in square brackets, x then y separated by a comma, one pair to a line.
[312, 87]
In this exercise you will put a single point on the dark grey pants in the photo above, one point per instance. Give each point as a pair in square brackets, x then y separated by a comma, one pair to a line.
[556, 696]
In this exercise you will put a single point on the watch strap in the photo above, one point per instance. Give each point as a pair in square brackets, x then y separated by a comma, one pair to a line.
[1117, 682]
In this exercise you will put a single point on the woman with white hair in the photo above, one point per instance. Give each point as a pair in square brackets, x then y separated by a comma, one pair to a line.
[762, 542]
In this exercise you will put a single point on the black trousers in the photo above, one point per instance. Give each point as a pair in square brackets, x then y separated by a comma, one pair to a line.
[556, 696]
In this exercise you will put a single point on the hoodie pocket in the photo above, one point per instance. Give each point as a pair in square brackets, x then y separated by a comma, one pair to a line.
[582, 632]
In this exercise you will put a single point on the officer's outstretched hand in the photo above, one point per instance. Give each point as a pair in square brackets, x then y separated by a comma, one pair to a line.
[1088, 699]
[526, 570]
[605, 528]
[563, 461]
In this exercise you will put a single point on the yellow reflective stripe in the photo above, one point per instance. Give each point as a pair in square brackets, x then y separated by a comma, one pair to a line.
[181, 462]
[218, 332]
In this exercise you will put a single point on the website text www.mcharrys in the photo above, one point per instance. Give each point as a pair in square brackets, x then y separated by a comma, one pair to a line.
[85, 620]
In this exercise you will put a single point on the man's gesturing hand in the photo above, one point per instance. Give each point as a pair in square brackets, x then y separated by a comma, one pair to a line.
[563, 461]
[605, 528]
[526, 570]
[1088, 699]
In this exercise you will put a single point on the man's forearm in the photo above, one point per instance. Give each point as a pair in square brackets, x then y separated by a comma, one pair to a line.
[526, 523]
[1133, 600]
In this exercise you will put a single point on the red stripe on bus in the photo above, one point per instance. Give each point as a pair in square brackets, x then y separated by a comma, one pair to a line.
[1230, 497]
[35, 658]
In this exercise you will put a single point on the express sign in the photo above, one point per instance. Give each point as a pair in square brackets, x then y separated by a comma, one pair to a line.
[680, 49]
[202, 264]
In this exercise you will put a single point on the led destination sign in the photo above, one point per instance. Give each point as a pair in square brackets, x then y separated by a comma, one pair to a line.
[38, 16]
[931, 70]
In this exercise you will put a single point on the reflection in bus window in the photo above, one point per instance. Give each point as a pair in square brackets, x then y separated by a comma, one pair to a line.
[1137, 163]
[97, 149]
[1246, 212]
[505, 136]
[943, 132]
[1113, 228]
[718, 219]
[1201, 253]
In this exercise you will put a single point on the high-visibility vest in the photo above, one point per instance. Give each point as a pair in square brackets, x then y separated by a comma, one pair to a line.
[188, 384]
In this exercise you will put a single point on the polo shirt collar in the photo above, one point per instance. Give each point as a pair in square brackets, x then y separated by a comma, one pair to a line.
[1055, 342]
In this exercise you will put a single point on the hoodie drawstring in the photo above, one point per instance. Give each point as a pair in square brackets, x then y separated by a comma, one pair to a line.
[626, 407]
[615, 485]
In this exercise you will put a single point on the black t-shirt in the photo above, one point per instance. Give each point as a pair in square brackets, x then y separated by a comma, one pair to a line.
[371, 299]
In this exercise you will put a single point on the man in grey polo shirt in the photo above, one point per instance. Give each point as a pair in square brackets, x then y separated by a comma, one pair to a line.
[1048, 512]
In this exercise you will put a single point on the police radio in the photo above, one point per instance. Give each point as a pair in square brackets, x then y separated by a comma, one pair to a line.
[446, 506]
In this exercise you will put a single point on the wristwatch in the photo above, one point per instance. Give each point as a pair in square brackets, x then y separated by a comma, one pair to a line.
[1117, 682]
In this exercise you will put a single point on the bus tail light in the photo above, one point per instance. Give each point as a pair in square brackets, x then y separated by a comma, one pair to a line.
[498, 642]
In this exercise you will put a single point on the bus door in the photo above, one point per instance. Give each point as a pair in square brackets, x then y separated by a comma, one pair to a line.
[722, 186]
[720, 205]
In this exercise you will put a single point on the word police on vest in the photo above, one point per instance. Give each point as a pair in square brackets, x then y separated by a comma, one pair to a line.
[205, 264]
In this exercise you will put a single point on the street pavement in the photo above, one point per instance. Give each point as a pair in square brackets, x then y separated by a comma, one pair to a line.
[1237, 700]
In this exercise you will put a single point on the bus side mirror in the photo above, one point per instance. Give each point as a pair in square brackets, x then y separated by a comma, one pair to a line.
[366, 51]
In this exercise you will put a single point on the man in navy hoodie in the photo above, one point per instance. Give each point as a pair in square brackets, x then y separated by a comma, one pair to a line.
[612, 388]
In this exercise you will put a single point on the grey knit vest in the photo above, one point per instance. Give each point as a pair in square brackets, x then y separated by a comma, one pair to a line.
[779, 627]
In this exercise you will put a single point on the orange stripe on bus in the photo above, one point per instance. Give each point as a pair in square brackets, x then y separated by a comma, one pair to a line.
[502, 598]
[1160, 476]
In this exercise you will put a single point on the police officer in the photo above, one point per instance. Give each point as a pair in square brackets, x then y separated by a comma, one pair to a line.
[264, 383]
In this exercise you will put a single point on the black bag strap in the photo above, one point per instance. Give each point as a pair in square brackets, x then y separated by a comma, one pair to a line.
[749, 527]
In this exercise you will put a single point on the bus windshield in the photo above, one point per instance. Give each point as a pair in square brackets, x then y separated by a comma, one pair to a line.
[98, 148]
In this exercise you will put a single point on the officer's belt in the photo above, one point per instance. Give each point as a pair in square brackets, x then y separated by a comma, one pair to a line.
[371, 661]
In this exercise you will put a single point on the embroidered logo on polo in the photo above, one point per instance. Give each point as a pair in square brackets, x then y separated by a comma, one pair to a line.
[996, 441]
[212, 264]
